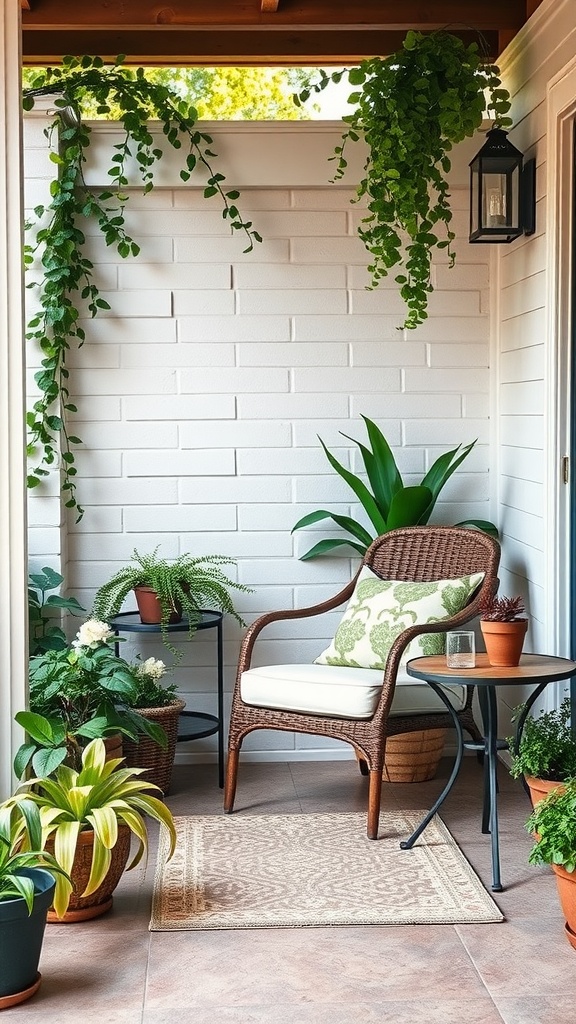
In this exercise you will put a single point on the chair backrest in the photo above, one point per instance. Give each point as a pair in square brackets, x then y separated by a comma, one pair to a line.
[424, 553]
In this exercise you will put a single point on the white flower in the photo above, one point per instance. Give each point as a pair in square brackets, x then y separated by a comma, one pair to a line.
[152, 667]
[92, 633]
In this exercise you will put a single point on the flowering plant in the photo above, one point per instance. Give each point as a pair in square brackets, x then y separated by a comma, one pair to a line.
[83, 692]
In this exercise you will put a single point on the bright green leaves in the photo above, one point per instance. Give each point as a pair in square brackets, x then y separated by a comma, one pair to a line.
[389, 505]
[410, 109]
[64, 271]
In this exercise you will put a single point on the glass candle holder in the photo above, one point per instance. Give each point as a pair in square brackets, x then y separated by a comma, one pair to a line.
[460, 649]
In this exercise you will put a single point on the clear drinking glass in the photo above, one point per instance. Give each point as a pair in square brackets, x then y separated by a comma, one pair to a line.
[460, 649]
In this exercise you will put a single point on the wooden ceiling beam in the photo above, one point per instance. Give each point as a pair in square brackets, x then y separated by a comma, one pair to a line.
[195, 47]
[384, 14]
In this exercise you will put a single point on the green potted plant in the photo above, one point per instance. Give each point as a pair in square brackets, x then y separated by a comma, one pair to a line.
[165, 590]
[503, 626]
[388, 503]
[157, 702]
[87, 820]
[546, 754]
[27, 886]
[409, 109]
[553, 822]
[44, 635]
[77, 694]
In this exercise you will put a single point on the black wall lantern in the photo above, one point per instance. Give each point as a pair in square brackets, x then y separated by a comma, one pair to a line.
[502, 191]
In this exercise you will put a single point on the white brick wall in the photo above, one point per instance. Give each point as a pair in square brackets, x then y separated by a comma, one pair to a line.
[203, 390]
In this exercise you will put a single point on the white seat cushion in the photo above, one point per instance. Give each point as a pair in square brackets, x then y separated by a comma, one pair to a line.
[339, 692]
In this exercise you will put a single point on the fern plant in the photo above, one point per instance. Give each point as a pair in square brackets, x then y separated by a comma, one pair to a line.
[547, 747]
[186, 585]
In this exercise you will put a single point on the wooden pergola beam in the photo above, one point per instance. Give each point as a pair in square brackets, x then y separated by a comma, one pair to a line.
[256, 31]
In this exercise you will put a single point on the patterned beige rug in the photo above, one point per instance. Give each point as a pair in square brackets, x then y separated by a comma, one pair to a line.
[302, 870]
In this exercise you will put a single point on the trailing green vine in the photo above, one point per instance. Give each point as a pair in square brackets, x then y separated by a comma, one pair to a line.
[410, 109]
[66, 290]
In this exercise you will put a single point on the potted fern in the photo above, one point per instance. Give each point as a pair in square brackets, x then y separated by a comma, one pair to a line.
[503, 627]
[553, 823]
[166, 590]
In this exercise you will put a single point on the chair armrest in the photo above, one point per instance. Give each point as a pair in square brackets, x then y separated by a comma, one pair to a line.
[247, 645]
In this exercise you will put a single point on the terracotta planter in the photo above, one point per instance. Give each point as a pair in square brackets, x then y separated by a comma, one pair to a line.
[150, 608]
[566, 884]
[539, 788]
[158, 761]
[504, 641]
[83, 908]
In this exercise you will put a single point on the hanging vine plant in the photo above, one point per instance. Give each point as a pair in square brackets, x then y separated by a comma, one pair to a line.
[411, 108]
[66, 290]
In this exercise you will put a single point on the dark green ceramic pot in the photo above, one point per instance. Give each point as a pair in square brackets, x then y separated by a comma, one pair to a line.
[21, 934]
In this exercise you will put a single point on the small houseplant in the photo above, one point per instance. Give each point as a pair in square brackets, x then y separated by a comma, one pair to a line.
[553, 821]
[389, 504]
[26, 890]
[77, 694]
[503, 626]
[159, 703]
[44, 633]
[165, 590]
[87, 819]
[546, 755]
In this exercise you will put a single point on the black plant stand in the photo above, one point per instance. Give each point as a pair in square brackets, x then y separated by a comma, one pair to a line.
[192, 725]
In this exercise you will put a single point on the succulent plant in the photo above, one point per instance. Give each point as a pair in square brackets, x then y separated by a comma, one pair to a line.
[502, 609]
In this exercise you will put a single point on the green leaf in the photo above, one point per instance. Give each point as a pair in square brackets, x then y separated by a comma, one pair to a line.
[324, 546]
[360, 490]
[408, 506]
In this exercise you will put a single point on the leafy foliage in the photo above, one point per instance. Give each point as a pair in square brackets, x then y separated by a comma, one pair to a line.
[553, 820]
[20, 849]
[65, 286]
[502, 609]
[76, 695]
[99, 796]
[44, 635]
[187, 583]
[547, 746]
[389, 504]
[411, 108]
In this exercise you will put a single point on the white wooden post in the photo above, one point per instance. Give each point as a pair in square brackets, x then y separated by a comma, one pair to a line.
[13, 548]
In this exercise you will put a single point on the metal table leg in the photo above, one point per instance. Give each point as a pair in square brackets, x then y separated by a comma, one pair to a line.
[407, 844]
[220, 660]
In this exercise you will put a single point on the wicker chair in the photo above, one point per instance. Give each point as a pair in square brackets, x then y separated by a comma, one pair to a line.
[417, 554]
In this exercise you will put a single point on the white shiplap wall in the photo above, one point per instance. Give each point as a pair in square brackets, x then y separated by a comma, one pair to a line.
[530, 362]
[203, 390]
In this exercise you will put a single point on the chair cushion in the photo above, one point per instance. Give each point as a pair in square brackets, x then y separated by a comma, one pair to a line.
[339, 692]
[379, 610]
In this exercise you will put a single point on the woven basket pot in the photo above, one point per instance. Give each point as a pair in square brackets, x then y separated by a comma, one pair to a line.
[147, 754]
[83, 908]
[413, 756]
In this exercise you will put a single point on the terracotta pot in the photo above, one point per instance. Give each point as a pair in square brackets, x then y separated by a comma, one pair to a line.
[539, 788]
[504, 641]
[157, 760]
[83, 908]
[150, 608]
[566, 884]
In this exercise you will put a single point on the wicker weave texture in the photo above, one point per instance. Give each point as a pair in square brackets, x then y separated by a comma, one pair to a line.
[157, 761]
[81, 867]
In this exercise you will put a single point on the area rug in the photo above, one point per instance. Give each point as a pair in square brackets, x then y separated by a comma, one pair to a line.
[304, 870]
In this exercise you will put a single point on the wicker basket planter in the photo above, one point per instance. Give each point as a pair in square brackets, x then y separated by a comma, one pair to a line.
[147, 754]
[84, 908]
[413, 756]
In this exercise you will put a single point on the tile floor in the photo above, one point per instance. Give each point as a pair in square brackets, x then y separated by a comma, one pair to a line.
[523, 971]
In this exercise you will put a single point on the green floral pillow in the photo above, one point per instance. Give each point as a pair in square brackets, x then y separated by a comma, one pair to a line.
[379, 610]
